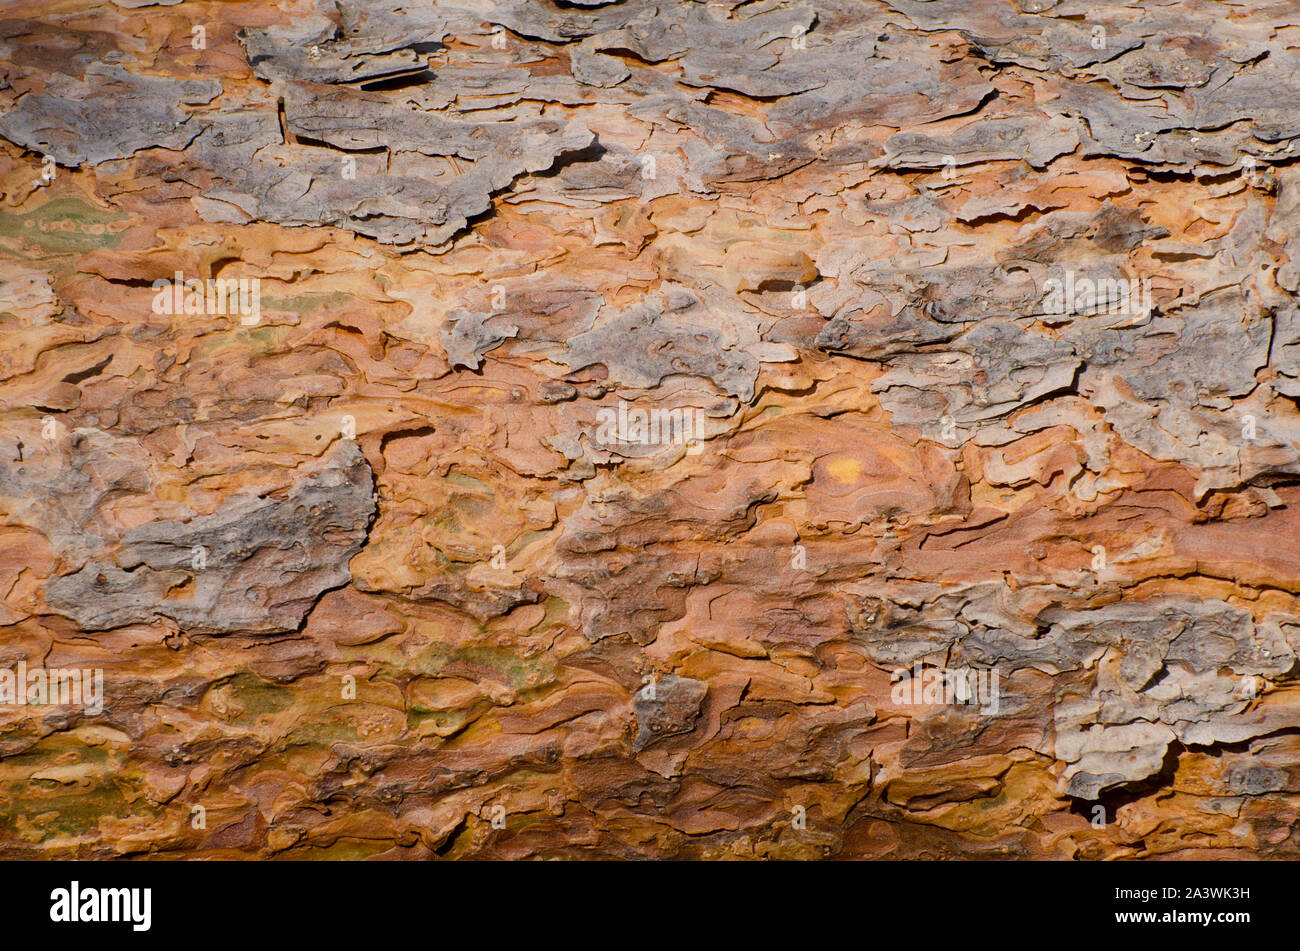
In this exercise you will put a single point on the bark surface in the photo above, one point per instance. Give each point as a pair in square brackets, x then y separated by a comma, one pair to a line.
[641, 428]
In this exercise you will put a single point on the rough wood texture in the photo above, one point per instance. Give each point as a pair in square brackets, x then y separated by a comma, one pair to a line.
[971, 334]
